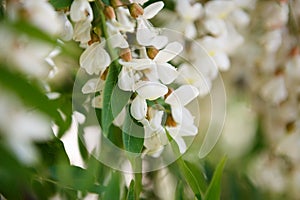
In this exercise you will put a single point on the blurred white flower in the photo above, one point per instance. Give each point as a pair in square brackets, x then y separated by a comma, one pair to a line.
[22, 128]
[274, 90]
[189, 13]
[43, 15]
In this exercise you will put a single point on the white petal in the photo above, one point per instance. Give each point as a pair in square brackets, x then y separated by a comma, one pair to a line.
[190, 30]
[97, 102]
[144, 35]
[182, 95]
[159, 41]
[81, 10]
[151, 10]
[155, 122]
[167, 73]
[138, 108]
[169, 52]
[174, 132]
[125, 80]
[118, 40]
[92, 86]
[94, 59]
[151, 90]
[138, 64]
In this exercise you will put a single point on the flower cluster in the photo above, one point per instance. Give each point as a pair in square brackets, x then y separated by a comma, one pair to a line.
[158, 100]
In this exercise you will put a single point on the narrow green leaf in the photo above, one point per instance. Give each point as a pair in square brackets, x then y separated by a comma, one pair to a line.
[179, 195]
[106, 2]
[131, 143]
[195, 181]
[131, 193]
[214, 189]
[113, 187]
[114, 99]
[60, 4]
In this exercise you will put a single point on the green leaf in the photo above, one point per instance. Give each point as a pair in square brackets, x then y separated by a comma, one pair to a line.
[214, 189]
[114, 99]
[75, 178]
[193, 177]
[131, 143]
[60, 4]
[113, 187]
[106, 2]
[179, 195]
[131, 193]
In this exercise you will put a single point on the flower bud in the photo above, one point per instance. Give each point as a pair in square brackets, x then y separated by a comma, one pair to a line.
[152, 52]
[109, 12]
[135, 10]
[125, 54]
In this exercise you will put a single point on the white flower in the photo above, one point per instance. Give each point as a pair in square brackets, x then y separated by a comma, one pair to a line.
[124, 23]
[131, 73]
[219, 9]
[194, 75]
[116, 39]
[81, 11]
[275, 90]
[214, 49]
[95, 59]
[183, 118]
[82, 32]
[20, 128]
[189, 13]
[164, 71]
[43, 15]
[145, 90]
[155, 134]
[146, 35]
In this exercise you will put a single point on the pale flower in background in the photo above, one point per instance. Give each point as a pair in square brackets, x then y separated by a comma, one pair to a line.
[21, 128]
[275, 90]
[189, 13]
